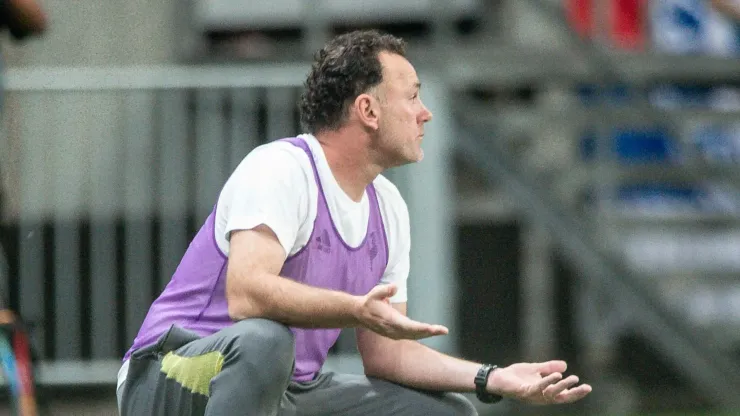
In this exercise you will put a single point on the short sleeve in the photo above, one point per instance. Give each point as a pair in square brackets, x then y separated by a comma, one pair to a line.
[268, 187]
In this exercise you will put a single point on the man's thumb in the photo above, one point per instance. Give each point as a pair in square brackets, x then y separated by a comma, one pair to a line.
[383, 291]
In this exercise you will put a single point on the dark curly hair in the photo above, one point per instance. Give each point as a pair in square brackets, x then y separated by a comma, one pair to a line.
[346, 67]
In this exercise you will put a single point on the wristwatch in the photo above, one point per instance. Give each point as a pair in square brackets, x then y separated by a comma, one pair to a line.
[481, 382]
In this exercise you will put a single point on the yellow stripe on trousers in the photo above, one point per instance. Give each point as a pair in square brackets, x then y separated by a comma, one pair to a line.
[193, 373]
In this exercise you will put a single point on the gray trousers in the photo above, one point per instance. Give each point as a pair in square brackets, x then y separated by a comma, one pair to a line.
[246, 369]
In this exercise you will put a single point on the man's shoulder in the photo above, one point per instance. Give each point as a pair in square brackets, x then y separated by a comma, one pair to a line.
[278, 154]
[277, 148]
[271, 164]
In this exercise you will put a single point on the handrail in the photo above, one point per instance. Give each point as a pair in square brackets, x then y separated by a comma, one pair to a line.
[711, 372]
[155, 77]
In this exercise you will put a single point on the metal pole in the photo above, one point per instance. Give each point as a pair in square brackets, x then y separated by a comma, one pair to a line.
[538, 302]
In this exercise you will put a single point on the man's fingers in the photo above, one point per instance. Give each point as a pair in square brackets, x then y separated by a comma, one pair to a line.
[439, 330]
[431, 331]
[423, 330]
[548, 381]
[574, 394]
[554, 366]
[563, 391]
[554, 389]
[416, 330]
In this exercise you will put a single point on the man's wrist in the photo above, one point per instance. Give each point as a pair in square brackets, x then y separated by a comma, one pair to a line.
[483, 384]
[357, 306]
[493, 386]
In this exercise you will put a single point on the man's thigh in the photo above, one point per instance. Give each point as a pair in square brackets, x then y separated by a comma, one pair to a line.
[242, 369]
[353, 395]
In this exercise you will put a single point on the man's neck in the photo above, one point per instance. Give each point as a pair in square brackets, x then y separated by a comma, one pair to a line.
[350, 158]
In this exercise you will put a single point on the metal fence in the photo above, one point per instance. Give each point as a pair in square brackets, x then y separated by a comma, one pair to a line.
[111, 173]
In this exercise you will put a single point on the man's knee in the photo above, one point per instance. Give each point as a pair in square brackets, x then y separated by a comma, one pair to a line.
[440, 404]
[457, 404]
[264, 338]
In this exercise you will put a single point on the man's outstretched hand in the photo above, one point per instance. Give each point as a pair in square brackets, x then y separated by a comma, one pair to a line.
[376, 314]
[537, 383]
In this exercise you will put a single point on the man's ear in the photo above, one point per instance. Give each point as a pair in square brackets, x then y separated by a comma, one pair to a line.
[367, 110]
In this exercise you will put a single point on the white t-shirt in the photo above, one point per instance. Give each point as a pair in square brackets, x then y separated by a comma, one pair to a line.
[275, 185]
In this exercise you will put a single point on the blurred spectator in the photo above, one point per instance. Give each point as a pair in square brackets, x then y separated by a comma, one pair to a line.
[616, 23]
[709, 28]
[685, 27]
[20, 18]
[705, 27]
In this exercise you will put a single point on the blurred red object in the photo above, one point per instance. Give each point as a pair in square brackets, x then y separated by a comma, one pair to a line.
[581, 16]
[625, 21]
[628, 20]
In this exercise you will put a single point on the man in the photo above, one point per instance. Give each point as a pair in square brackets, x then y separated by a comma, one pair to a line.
[306, 238]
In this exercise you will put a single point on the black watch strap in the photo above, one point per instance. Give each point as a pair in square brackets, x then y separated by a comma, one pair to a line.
[481, 382]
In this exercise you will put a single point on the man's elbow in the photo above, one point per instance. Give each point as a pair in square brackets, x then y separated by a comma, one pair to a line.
[379, 365]
[242, 304]
[240, 310]
[375, 370]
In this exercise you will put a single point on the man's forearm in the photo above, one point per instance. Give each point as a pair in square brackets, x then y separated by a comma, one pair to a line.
[292, 303]
[415, 365]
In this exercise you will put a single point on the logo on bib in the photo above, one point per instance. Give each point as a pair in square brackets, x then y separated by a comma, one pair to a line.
[323, 242]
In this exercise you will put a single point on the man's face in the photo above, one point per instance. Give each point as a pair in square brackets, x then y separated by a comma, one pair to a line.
[402, 114]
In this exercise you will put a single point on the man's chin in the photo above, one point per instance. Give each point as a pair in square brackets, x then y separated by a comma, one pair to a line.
[415, 158]
[409, 158]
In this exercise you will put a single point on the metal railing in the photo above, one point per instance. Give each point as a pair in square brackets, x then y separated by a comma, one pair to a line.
[220, 14]
[712, 372]
[117, 167]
